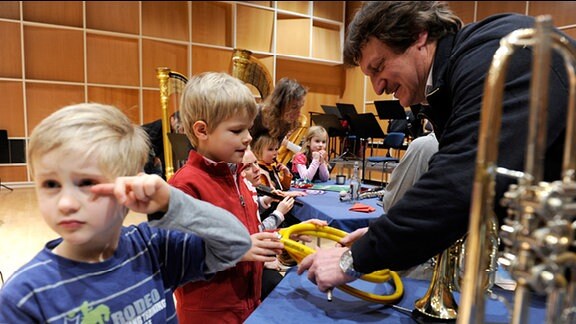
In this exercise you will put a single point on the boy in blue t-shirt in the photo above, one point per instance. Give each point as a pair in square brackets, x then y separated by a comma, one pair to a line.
[84, 159]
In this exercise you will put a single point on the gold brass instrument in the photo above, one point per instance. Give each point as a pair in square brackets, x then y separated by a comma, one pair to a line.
[538, 230]
[171, 86]
[439, 302]
[249, 69]
[299, 251]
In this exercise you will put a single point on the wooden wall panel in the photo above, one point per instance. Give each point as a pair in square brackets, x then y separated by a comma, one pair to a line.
[290, 28]
[206, 59]
[11, 50]
[261, 3]
[161, 54]
[326, 42]
[302, 7]
[464, 9]
[54, 54]
[112, 60]
[10, 9]
[331, 10]
[354, 85]
[13, 108]
[255, 29]
[212, 23]
[13, 173]
[121, 16]
[42, 99]
[315, 76]
[125, 99]
[166, 19]
[152, 109]
[67, 13]
[488, 8]
[563, 12]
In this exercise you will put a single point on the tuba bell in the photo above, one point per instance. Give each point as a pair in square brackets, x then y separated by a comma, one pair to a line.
[538, 231]
[252, 71]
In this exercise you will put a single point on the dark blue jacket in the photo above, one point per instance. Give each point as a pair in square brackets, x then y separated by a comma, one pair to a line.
[435, 212]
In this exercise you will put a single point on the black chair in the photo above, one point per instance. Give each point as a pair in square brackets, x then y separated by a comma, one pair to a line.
[393, 140]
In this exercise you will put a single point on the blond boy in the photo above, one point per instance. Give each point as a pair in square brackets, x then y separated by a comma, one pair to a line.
[83, 159]
[217, 112]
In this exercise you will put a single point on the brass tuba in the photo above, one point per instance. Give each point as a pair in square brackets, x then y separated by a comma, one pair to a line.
[249, 69]
[538, 231]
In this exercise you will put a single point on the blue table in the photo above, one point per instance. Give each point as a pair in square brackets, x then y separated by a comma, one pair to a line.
[327, 206]
[297, 300]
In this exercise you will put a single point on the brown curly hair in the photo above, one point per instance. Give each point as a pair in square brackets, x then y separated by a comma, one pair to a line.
[398, 25]
[277, 103]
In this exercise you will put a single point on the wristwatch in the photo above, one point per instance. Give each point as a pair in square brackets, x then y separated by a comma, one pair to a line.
[347, 265]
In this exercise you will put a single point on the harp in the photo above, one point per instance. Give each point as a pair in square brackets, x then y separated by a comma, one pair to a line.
[171, 86]
[250, 70]
[284, 154]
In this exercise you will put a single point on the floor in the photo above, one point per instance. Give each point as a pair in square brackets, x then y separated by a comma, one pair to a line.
[22, 230]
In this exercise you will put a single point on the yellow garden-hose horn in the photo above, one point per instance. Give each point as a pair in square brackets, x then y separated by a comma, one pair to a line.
[299, 251]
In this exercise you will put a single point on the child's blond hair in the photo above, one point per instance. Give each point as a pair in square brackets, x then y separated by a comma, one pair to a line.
[95, 131]
[214, 97]
[261, 143]
[313, 131]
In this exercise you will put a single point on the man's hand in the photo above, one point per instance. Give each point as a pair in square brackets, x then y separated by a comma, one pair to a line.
[324, 268]
[352, 237]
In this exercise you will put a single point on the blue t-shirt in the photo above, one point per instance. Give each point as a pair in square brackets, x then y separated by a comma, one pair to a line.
[134, 285]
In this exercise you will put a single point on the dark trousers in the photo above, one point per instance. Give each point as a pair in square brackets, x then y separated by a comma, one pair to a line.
[270, 279]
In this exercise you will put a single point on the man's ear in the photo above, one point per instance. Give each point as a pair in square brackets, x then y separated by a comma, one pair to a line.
[200, 129]
[422, 39]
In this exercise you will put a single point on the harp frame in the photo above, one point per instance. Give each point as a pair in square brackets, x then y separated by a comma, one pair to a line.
[171, 83]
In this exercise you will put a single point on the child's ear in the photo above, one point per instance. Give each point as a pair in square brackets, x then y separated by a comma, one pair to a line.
[200, 129]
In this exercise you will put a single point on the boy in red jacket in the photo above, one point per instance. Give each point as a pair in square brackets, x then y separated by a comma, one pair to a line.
[217, 112]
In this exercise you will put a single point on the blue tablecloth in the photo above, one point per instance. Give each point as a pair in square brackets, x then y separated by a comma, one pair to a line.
[297, 300]
[327, 206]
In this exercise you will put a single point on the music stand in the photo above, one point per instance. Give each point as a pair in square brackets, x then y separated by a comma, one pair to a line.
[5, 186]
[389, 109]
[365, 126]
[331, 123]
[331, 110]
[346, 110]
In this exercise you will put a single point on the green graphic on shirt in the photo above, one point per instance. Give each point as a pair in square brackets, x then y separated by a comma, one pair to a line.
[91, 315]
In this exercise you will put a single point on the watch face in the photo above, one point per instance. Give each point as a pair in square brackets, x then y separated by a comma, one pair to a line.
[346, 261]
